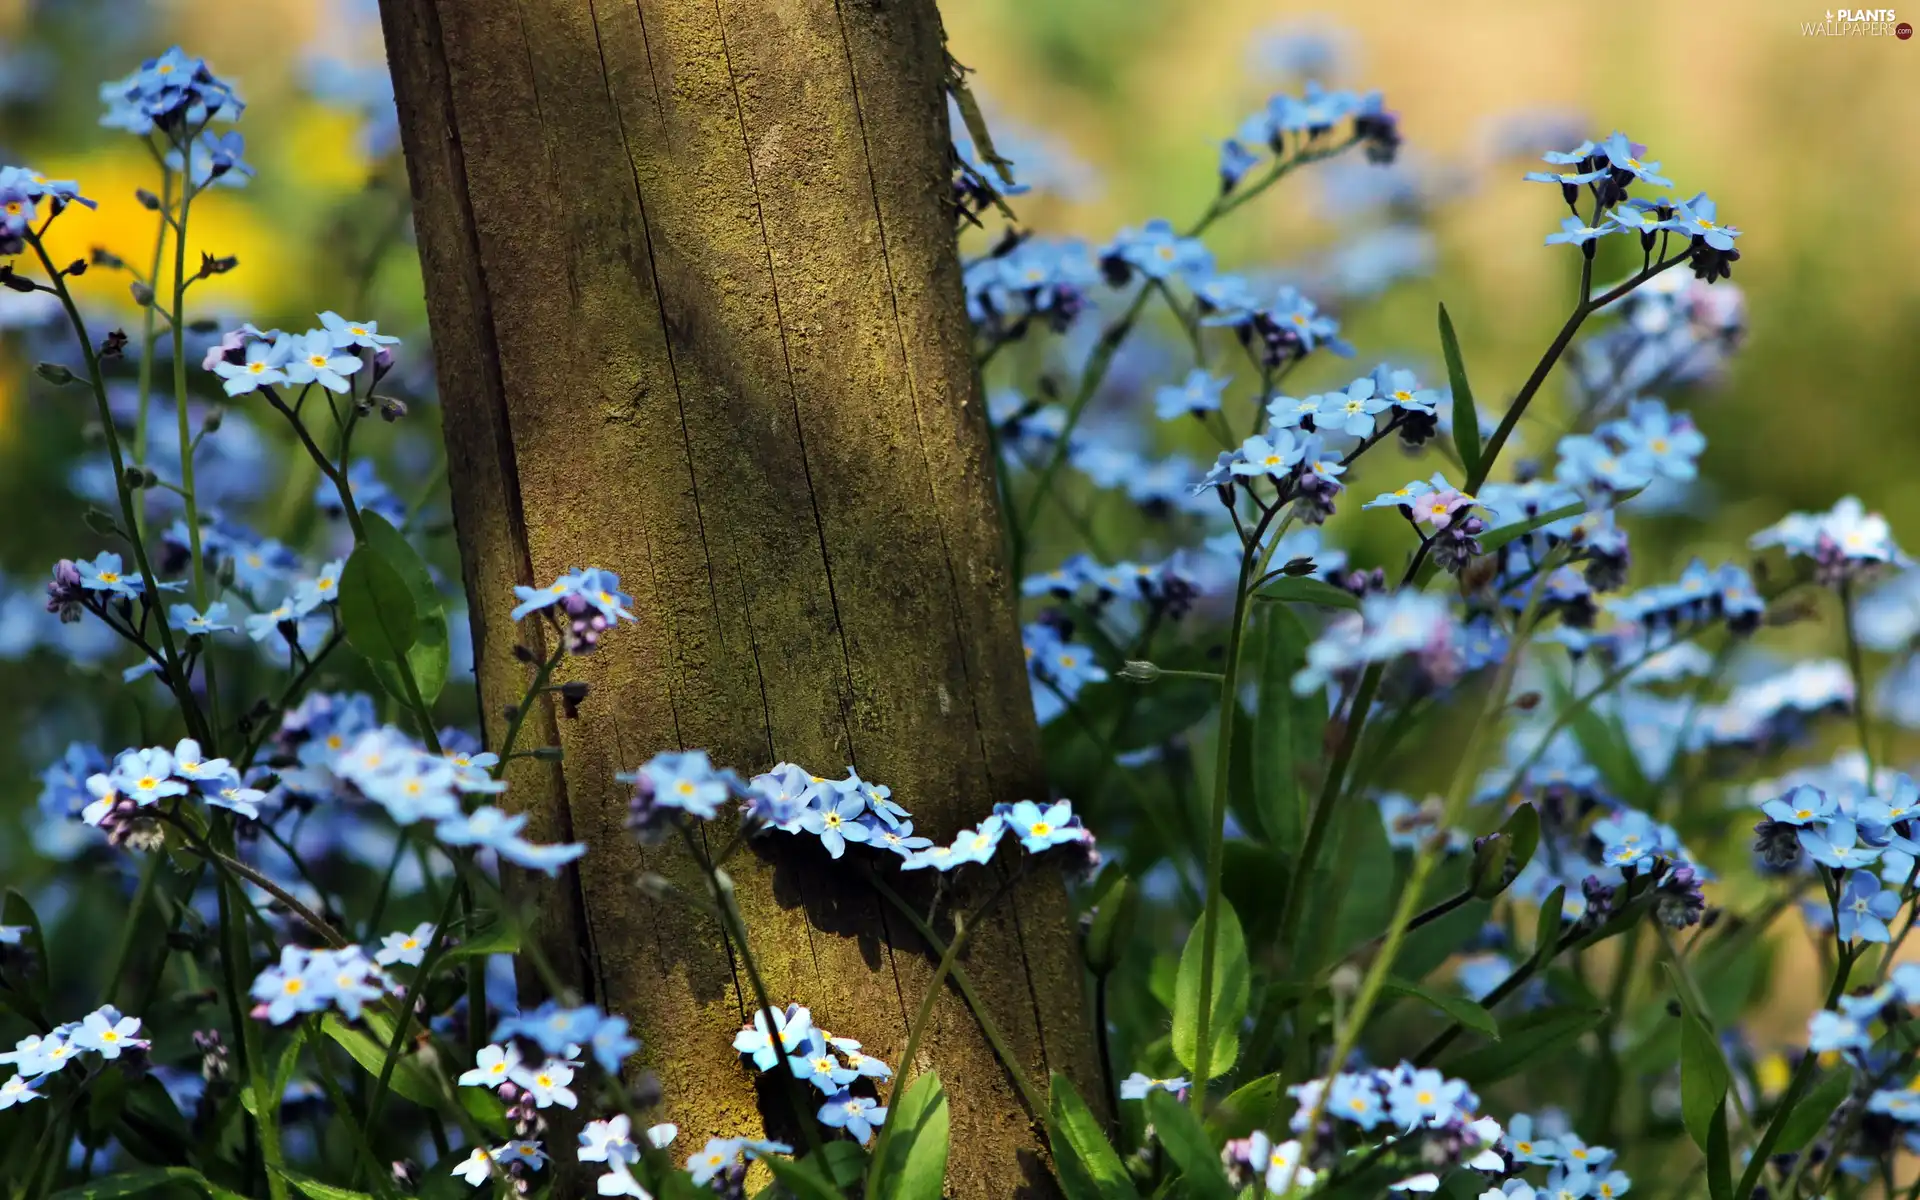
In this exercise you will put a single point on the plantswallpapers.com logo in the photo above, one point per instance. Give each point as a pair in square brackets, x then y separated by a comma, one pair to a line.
[1858, 22]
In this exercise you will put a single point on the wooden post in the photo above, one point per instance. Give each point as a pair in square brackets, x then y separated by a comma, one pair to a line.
[698, 319]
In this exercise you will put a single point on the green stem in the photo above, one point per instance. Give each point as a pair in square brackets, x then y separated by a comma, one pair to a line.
[147, 339]
[378, 1174]
[150, 582]
[989, 1028]
[1857, 666]
[948, 957]
[117, 973]
[736, 931]
[1425, 859]
[1222, 777]
[403, 1020]
[1111, 340]
[1796, 1088]
[185, 435]
[1587, 307]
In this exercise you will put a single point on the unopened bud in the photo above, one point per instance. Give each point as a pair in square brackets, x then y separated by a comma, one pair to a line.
[147, 199]
[1344, 983]
[1298, 566]
[1139, 671]
[212, 421]
[54, 373]
[142, 294]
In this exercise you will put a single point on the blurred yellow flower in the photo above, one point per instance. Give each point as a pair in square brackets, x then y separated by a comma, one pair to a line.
[10, 380]
[319, 146]
[1772, 1074]
[221, 222]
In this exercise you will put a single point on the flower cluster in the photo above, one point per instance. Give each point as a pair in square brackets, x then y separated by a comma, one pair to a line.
[834, 1065]
[1857, 837]
[585, 604]
[791, 799]
[174, 93]
[1608, 171]
[1844, 544]
[249, 359]
[38, 1057]
[309, 981]
[611, 1142]
[1387, 627]
[141, 779]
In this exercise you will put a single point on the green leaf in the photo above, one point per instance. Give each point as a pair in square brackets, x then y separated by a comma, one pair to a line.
[1425, 948]
[1356, 893]
[503, 938]
[1305, 589]
[1228, 1006]
[1286, 729]
[1499, 536]
[409, 1078]
[106, 1100]
[1490, 856]
[152, 1129]
[1186, 1143]
[916, 1166]
[1525, 1041]
[1523, 826]
[1089, 1168]
[431, 652]
[141, 1183]
[1703, 1078]
[32, 946]
[314, 1189]
[1108, 933]
[803, 1177]
[1461, 1009]
[841, 1162]
[376, 609]
[1719, 1156]
[1246, 1109]
[1815, 1109]
[282, 1074]
[1546, 932]
[1253, 873]
[1466, 417]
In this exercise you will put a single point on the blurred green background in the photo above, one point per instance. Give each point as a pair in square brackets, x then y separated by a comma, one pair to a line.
[1805, 142]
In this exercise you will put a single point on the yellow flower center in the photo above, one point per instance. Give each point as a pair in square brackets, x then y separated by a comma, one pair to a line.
[1040, 829]
[293, 987]
[109, 577]
[109, 1037]
[316, 360]
[258, 367]
[147, 783]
